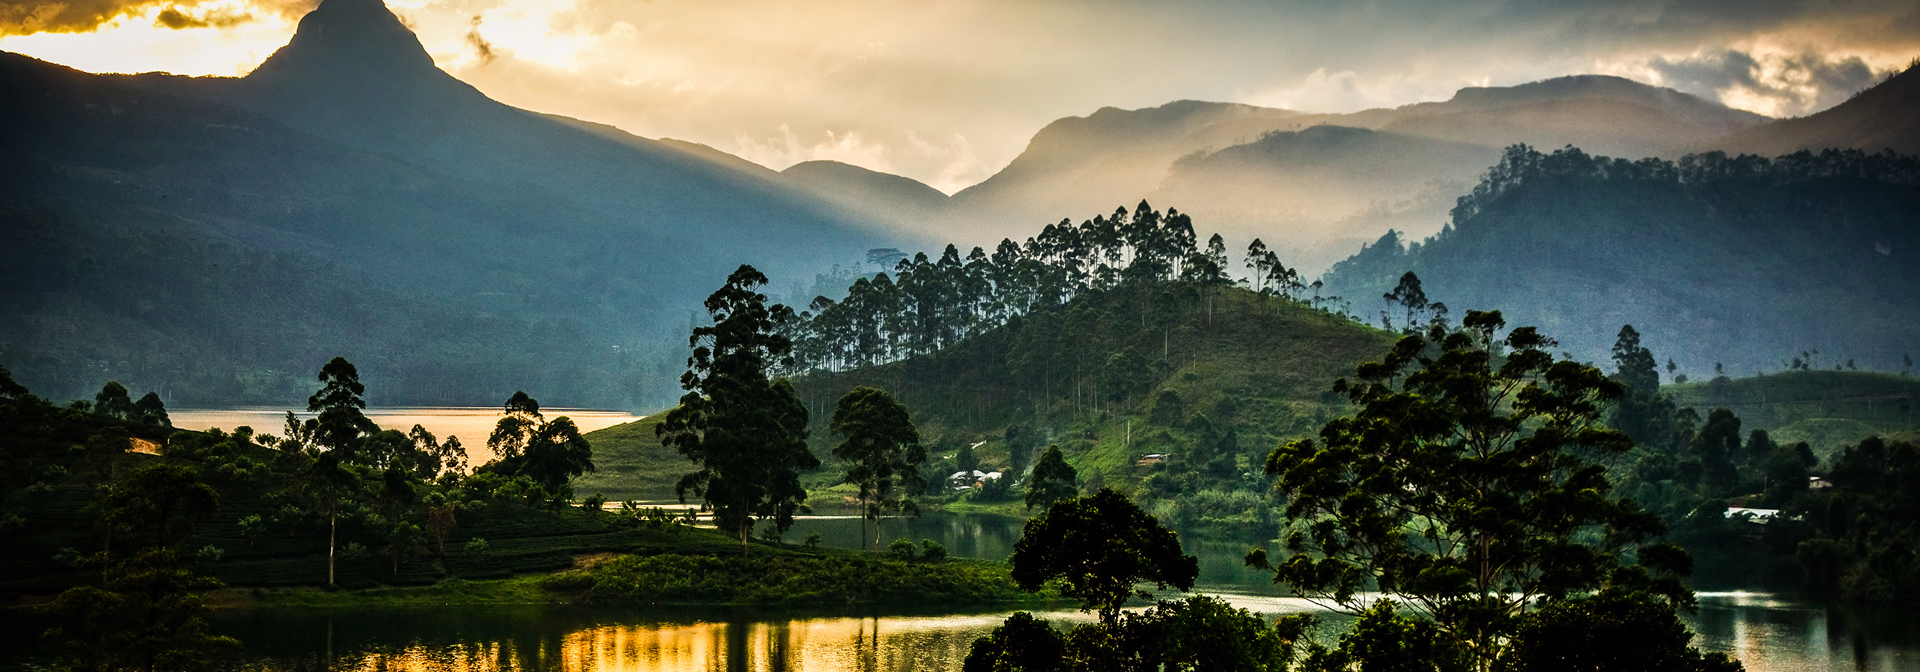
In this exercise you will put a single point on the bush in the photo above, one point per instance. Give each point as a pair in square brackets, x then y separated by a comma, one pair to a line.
[902, 549]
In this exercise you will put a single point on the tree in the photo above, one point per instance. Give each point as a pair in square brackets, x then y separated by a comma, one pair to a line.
[149, 410]
[518, 422]
[525, 443]
[11, 389]
[1609, 632]
[340, 400]
[1053, 480]
[748, 433]
[161, 497]
[1408, 295]
[112, 401]
[332, 480]
[1634, 366]
[1100, 547]
[1465, 486]
[883, 454]
[146, 616]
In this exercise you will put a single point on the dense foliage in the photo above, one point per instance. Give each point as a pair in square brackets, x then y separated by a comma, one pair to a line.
[1470, 483]
[747, 433]
[1097, 549]
[1743, 261]
[882, 452]
[929, 304]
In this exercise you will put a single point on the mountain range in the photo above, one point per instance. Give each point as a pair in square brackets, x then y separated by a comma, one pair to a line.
[218, 238]
[365, 171]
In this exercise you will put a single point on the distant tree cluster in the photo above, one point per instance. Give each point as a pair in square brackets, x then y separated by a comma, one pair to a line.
[1521, 164]
[931, 303]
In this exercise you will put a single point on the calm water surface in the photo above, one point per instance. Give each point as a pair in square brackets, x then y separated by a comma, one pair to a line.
[1768, 633]
[472, 425]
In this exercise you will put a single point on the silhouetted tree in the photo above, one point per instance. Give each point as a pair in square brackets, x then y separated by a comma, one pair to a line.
[882, 453]
[1053, 479]
[341, 402]
[747, 433]
[112, 401]
[1099, 547]
[1464, 484]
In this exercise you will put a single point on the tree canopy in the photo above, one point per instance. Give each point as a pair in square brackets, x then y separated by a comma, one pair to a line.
[1100, 547]
[747, 432]
[1470, 482]
[882, 452]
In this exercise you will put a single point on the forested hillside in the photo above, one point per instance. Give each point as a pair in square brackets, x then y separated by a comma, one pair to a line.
[1723, 264]
[213, 237]
[1826, 409]
[1116, 338]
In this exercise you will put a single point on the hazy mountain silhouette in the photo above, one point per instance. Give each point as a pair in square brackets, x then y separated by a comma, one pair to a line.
[558, 254]
[1886, 116]
[905, 202]
[1079, 166]
[1303, 187]
[1598, 113]
[1293, 182]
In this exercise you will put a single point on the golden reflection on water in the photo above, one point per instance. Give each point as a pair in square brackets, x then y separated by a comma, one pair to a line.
[803, 645]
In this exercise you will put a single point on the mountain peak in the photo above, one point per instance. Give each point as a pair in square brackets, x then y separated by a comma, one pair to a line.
[352, 41]
[354, 73]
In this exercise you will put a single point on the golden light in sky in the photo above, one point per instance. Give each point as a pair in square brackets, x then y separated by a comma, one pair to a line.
[948, 91]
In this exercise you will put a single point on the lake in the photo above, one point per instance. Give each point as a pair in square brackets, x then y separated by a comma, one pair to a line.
[471, 424]
[1769, 633]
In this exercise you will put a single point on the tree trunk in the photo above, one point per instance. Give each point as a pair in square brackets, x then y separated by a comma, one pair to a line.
[333, 528]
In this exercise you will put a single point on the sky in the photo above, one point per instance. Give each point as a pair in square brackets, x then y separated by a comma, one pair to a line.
[948, 91]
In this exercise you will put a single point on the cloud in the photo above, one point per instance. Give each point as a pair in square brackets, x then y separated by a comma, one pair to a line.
[949, 91]
[786, 148]
[27, 17]
[481, 47]
[1775, 84]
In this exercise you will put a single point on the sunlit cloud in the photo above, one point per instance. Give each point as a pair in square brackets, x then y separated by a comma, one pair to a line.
[949, 91]
[218, 37]
[1780, 84]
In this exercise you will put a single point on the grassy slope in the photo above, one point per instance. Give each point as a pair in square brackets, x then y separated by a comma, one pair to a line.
[1262, 364]
[1827, 409]
[630, 463]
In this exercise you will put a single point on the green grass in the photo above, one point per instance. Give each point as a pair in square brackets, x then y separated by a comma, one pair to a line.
[630, 463]
[680, 565]
[1827, 409]
[1262, 365]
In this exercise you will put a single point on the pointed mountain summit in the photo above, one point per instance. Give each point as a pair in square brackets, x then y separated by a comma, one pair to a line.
[354, 73]
[344, 39]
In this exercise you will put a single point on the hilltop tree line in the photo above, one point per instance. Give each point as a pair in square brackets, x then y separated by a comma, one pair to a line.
[1744, 260]
[929, 303]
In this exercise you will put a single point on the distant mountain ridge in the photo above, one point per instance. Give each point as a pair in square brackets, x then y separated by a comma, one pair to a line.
[558, 255]
[1886, 116]
[1305, 194]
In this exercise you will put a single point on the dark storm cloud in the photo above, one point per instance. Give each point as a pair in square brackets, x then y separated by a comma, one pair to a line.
[1804, 83]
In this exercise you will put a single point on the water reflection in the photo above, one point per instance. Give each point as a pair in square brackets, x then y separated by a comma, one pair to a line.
[571, 640]
[1767, 633]
[1772, 634]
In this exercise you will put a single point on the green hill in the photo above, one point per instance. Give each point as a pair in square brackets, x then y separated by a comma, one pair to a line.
[629, 463]
[1213, 376]
[1826, 409]
[1742, 262]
